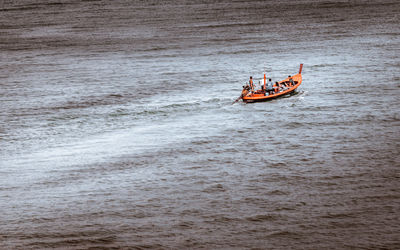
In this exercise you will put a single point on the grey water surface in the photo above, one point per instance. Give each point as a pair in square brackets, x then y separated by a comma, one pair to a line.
[117, 128]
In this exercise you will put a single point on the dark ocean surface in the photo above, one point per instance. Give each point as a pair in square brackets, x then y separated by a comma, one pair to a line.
[117, 128]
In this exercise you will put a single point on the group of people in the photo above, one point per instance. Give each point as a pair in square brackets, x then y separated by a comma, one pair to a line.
[270, 88]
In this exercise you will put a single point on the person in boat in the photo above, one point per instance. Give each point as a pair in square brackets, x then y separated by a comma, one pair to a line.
[283, 86]
[291, 81]
[270, 87]
[245, 91]
[251, 84]
[262, 88]
[277, 87]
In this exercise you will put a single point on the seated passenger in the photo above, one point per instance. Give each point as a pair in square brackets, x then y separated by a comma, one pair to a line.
[291, 81]
[270, 87]
[277, 87]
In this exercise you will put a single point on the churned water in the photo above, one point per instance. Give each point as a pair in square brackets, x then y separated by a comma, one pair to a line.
[117, 128]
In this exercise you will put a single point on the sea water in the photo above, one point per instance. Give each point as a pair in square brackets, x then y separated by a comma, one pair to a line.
[117, 127]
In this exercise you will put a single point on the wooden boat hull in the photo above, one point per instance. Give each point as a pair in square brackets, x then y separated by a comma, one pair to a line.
[267, 98]
[261, 97]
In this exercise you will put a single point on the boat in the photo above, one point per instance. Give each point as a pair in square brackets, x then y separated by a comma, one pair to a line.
[285, 87]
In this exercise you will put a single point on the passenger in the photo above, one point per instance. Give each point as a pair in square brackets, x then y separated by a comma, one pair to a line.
[283, 86]
[251, 84]
[277, 87]
[245, 91]
[270, 87]
[291, 81]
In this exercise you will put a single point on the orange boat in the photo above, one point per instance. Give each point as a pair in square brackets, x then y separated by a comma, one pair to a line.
[284, 87]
